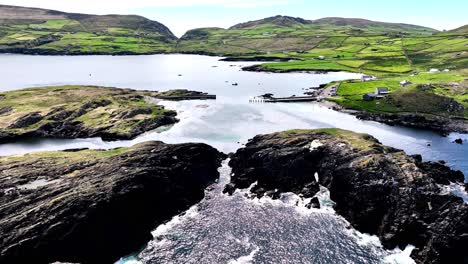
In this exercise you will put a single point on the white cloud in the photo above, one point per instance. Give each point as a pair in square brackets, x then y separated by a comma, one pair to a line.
[107, 6]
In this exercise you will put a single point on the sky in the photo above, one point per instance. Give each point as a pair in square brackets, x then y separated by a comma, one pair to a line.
[182, 15]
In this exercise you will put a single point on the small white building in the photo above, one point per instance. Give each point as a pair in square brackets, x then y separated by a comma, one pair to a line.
[405, 83]
[434, 70]
[321, 57]
[446, 70]
[366, 78]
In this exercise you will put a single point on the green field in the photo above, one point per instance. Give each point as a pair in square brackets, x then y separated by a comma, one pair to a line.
[47, 32]
[346, 44]
[374, 55]
[441, 94]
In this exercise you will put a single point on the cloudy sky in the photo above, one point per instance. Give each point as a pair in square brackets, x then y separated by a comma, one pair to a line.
[181, 15]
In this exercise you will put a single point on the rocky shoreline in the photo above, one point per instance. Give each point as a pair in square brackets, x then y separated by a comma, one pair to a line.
[85, 112]
[378, 189]
[441, 125]
[92, 206]
[259, 68]
[438, 124]
[257, 58]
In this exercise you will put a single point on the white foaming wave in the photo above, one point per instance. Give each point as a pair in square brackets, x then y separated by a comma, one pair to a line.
[364, 239]
[395, 256]
[224, 173]
[454, 189]
[401, 256]
[129, 260]
[326, 203]
[290, 199]
[453, 136]
[245, 259]
[165, 228]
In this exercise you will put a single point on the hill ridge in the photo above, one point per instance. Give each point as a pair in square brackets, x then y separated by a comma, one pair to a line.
[282, 20]
[11, 12]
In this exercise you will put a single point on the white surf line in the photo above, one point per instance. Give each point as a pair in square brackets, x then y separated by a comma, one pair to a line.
[245, 259]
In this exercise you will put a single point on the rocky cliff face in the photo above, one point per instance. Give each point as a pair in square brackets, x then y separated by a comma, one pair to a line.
[89, 206]
[378, 189]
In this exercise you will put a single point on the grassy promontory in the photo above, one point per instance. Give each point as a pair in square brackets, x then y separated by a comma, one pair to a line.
[81, 111]
[435, 101]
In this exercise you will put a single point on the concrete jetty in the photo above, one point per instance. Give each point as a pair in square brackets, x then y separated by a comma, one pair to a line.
[291, 99]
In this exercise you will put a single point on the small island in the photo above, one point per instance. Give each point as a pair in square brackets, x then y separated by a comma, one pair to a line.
[85, 111]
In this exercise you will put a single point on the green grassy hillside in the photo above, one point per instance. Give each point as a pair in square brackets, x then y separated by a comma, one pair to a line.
[31, 30]
[357, 45]
[460, 30]
[441, 94]
[392, 52]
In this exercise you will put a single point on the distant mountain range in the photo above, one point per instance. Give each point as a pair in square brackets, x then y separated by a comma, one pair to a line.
[41, 31]
[356, 23]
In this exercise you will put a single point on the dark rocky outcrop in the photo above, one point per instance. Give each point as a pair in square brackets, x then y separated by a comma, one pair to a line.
[260, 68]
[441, 125]
[26, 120]
[257, 58]
[378, 189]
[5, 110]
[275, 169]
[86, 206]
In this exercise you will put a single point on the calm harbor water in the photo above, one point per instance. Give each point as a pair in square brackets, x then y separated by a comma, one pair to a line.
[224, 229]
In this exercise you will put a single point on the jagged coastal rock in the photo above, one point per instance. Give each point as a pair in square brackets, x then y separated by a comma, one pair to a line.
[85, 111]
[91, 206]
[441, 125]
[380, 190]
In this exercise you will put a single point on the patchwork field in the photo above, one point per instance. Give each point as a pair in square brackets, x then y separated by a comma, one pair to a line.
[334, 44]
[37, 31]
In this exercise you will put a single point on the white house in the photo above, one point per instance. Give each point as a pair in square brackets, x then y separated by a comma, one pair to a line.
[366, 78]
[405, 83]
[321, 57]
[434, 70]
